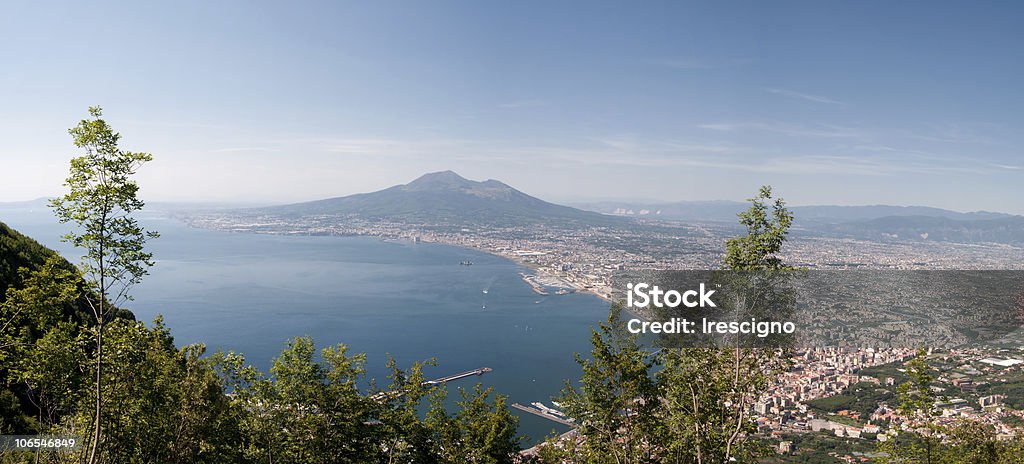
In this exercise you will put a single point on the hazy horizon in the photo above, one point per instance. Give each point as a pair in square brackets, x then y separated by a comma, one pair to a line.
[565, 201]
[912, 103]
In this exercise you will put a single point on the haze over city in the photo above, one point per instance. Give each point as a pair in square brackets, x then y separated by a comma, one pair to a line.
[263, 102]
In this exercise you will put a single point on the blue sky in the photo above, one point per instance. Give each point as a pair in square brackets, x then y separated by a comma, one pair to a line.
[855, 103]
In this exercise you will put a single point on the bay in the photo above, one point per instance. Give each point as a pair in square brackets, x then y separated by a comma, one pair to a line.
[251, 293]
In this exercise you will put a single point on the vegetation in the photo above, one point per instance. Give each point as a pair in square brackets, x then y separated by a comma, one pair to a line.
[823, 448]
[862, 397]
[687, 405]
[73, 363]
[925, 441]
[100, 203]
[44, 315]
[616, 401]
[1014, 391]
[168, 404]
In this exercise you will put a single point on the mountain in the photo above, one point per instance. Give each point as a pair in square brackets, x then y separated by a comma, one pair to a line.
[447, 198]
[696, 211]
[869, 222]
[837, 214]
[1007, 230]
[725, 211]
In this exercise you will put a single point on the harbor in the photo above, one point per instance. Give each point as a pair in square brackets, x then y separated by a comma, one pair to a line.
[550, 414]
[531, 280]
[540, 284]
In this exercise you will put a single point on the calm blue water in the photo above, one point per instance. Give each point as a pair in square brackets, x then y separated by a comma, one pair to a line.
[250, 293]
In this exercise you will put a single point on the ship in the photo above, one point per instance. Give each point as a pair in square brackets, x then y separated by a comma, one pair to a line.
[466, 263]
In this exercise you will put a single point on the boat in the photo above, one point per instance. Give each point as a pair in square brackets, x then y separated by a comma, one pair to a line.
[539, 405]
[466, 263]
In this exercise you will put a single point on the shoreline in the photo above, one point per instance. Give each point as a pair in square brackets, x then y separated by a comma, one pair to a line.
[536, 269]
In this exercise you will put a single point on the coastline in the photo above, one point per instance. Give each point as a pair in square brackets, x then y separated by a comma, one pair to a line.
[539, 272]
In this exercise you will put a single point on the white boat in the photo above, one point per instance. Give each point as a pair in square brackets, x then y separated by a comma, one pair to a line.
[545, 409]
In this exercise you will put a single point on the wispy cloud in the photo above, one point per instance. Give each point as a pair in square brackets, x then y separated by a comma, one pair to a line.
[523, 104]
[683, 63]
[340, 146]
[628, 144]
[659, 157]
[239, 149]
[384, 146]
[696, 64]
[806, 96]
[174, 124]
[955, 133]
[640, 152]
[827, 150]
[789, 129]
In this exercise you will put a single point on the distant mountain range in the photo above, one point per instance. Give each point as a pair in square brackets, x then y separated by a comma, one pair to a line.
[448, 198]
[872, 222]
[725, 211]
[1006, 230]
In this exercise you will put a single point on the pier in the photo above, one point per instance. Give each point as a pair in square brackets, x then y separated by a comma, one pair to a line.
[443, 380]
[460, 375]
[546, 415]
[534, 285]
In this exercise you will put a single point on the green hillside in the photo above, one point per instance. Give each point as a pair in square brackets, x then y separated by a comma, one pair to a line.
[20, 256]
[16, 252]
[30, 277]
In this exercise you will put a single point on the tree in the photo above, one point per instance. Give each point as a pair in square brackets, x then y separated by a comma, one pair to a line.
[488, 427]
[708, 391]
[758, 249]
[707, 395]
[615, 402]
[100, 203]
[480, 432]
[917, 404]
[312, 411]
[40, 332]
[164, 404]
[305, 411]
[696, 408]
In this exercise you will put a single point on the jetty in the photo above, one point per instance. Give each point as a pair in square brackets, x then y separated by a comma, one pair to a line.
[547, 415]
[534, 285]
[439, 381]
[460, 375]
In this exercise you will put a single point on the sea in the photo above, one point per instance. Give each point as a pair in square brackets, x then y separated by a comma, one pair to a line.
[252, 293]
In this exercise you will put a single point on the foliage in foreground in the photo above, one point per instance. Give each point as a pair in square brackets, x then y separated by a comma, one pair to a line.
[73, 362]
